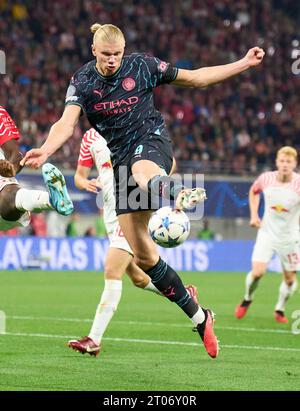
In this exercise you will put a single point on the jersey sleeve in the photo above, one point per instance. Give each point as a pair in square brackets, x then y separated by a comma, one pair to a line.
[258, 185]
[85, 156]
[75, 94]
[158, 71]
[8, 129]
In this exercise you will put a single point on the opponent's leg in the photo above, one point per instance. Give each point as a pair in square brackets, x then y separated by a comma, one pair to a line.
[59, 196]
[8, 209]
[286, 290]
[116, 263]
[15, 201]
[252, 280]
[164, 277]
[141, 280]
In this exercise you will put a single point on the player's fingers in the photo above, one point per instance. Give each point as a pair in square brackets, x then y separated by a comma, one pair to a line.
[92, 186]
[256, 49]
[33, 163]
[260, 54]
[95, 182]
[30, 154]
[92, 189]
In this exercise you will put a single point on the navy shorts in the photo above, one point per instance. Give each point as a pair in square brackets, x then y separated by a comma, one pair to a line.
[129, 197]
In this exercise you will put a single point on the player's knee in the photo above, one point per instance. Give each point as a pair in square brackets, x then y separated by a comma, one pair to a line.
[290, 278]
[112, 273]
[257, 274]
[8, 208]
[139, 282]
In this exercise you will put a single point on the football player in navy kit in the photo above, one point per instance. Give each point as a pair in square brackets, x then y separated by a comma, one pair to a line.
[116, 94]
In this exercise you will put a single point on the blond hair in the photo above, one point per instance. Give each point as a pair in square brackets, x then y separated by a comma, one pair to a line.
[288, 151]
[107, 32]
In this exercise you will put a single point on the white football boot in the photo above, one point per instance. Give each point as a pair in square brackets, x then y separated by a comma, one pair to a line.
[189, 197]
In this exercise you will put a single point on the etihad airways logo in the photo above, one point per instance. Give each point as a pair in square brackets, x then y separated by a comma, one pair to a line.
[116, 106]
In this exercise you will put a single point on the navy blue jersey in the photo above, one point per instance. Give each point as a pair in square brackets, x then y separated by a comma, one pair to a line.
[120, 107]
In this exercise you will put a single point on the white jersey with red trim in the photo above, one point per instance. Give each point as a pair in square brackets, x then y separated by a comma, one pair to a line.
[8, 131]
[282, 206]
[94, 151]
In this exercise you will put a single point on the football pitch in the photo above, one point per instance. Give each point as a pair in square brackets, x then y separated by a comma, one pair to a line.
[149, 345]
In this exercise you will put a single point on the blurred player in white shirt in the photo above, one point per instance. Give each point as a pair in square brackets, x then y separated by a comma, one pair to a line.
[119, 259]
[278, 232]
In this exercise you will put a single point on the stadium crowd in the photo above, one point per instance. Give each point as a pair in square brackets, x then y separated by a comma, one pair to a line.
[233, 128]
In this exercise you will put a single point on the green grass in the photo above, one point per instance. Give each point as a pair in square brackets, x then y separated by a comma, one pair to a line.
[46, 302]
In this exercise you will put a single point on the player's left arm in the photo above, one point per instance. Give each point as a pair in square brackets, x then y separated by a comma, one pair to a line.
[207, 76]
[83, 182]
[11, 165]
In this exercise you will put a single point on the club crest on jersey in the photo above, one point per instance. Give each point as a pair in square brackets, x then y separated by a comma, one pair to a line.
[128, 84]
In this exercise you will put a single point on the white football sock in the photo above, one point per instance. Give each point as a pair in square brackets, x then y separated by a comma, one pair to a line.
[108, 305]
[32, 200]
[199, 317]
[251, 285]
[151, 287]
[285, 291]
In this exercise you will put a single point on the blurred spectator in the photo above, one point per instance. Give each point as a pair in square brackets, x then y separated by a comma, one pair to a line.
[10, 233]
[72, 226]
[38, 225]
[55, 224]
[222, 129]
[90, 232]
[206, 233]
[99, 224]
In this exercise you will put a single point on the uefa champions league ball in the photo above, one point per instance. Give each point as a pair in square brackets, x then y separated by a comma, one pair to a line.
[169, 228]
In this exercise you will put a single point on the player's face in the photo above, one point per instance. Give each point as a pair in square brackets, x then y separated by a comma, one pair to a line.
[286, 164]
[108, 56]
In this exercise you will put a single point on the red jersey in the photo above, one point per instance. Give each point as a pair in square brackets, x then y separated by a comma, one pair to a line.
[8, 129]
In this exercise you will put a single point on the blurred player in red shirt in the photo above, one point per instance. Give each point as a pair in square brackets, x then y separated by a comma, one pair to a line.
[16, 202]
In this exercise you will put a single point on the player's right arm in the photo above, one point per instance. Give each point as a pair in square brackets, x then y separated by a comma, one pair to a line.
[206, 76]
[59, 133]
[82, 181]
[254, 200]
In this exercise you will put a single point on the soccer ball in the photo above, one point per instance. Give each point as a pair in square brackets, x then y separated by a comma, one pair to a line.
[169, 228]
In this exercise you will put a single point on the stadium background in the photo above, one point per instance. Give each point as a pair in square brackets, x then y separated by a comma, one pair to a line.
[229, 132]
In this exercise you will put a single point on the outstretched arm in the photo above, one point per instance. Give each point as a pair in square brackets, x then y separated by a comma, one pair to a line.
[83, 183]
[207, 76]
[59, 133]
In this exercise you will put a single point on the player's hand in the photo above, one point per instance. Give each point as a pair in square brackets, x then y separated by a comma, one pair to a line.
[93, 186]
[255, 222]
[34, 158]
[254, 56]
[7, 169]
